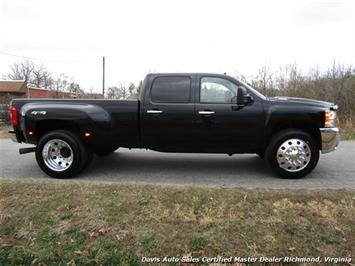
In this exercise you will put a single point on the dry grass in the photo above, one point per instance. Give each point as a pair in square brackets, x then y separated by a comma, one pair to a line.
[347, 130]
[117, 224]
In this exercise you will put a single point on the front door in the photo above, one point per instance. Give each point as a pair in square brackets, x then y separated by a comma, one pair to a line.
[222, 125]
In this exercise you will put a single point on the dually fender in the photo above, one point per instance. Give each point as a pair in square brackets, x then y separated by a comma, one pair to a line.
[82, 115]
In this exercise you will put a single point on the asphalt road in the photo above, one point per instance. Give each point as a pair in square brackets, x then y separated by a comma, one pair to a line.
[335, 170]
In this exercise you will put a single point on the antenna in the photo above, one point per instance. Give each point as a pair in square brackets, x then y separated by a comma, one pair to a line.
[103, 76]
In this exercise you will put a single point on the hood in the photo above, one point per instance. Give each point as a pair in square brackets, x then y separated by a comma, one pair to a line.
[296, 100]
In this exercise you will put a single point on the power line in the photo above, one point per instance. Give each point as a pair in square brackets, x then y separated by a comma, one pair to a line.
[20, 56]
[40, 59]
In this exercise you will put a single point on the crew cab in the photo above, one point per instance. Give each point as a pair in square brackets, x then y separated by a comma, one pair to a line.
[187, 113]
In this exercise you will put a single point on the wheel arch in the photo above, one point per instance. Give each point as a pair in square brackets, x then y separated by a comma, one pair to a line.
[305, 126]
[45, 126]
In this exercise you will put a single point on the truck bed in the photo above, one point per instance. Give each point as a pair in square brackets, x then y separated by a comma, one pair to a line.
[113, 122]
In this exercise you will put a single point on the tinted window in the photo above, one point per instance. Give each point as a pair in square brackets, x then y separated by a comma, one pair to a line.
[171, 90]
[217, 90]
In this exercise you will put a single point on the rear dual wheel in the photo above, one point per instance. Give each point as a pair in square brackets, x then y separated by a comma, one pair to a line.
[292, 153]
[62, 154]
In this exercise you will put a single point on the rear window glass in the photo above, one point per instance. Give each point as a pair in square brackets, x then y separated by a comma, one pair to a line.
[171, 90]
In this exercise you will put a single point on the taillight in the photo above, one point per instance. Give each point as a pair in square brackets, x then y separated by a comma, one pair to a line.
[13, 116]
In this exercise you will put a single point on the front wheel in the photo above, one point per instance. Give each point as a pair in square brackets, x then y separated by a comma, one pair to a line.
[61, 154]
[292, 153]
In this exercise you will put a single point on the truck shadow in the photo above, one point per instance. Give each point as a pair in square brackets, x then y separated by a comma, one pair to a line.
[148, 166]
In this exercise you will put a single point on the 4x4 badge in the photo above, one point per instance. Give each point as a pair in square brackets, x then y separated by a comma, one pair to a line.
[38, 112]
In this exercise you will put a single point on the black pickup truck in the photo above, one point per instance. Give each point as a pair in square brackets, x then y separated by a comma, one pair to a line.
[190, 113]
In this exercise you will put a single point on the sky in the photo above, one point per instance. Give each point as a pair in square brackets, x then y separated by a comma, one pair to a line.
[138, 37]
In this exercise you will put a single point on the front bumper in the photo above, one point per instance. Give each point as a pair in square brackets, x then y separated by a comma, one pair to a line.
[330, 138]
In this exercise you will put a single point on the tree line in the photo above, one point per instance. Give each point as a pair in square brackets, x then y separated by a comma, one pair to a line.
[38, 76]
[335, 84]
[124, 91]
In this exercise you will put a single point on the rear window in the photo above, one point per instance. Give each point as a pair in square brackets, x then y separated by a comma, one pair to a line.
[171, 90]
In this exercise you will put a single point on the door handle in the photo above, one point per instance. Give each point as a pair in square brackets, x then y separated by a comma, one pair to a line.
[154, 111]
[205, 112]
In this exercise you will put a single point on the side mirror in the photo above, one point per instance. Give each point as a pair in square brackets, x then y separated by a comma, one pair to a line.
[248, 98]
[243, 97]
[240, 95]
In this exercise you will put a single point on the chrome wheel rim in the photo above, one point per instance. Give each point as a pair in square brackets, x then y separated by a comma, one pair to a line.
[293, 155]
[57, 155]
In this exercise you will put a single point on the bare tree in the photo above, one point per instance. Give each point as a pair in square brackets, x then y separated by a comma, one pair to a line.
[131, 88]
[264, 79]
[22, 70]
[38, 76]
[133, 91]
[112, 92]
[41, 77]
[123, 91]
[140, 85]
[75, 88]
[49, 82]
[60, 82]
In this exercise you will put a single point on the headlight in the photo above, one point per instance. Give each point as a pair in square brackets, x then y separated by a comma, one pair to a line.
[330, 117]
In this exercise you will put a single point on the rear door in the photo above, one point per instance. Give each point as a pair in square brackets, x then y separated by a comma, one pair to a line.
[168, 113]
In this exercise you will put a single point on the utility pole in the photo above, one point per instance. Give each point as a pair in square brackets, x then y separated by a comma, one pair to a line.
[103, 76]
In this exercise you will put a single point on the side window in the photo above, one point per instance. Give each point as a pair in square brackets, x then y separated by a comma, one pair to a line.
[171, 90]
[217, 90]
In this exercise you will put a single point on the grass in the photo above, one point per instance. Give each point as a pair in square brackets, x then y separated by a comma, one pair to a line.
[348, 135]
[117, 224]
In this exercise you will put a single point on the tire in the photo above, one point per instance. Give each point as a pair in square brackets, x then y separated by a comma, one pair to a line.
[61, 154]
[105, 151]
[90, 156]
[292, 154]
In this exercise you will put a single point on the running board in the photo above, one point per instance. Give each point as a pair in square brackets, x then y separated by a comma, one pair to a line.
[27, 150]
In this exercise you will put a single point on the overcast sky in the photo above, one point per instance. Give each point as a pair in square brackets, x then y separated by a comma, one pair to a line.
[174, 36]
